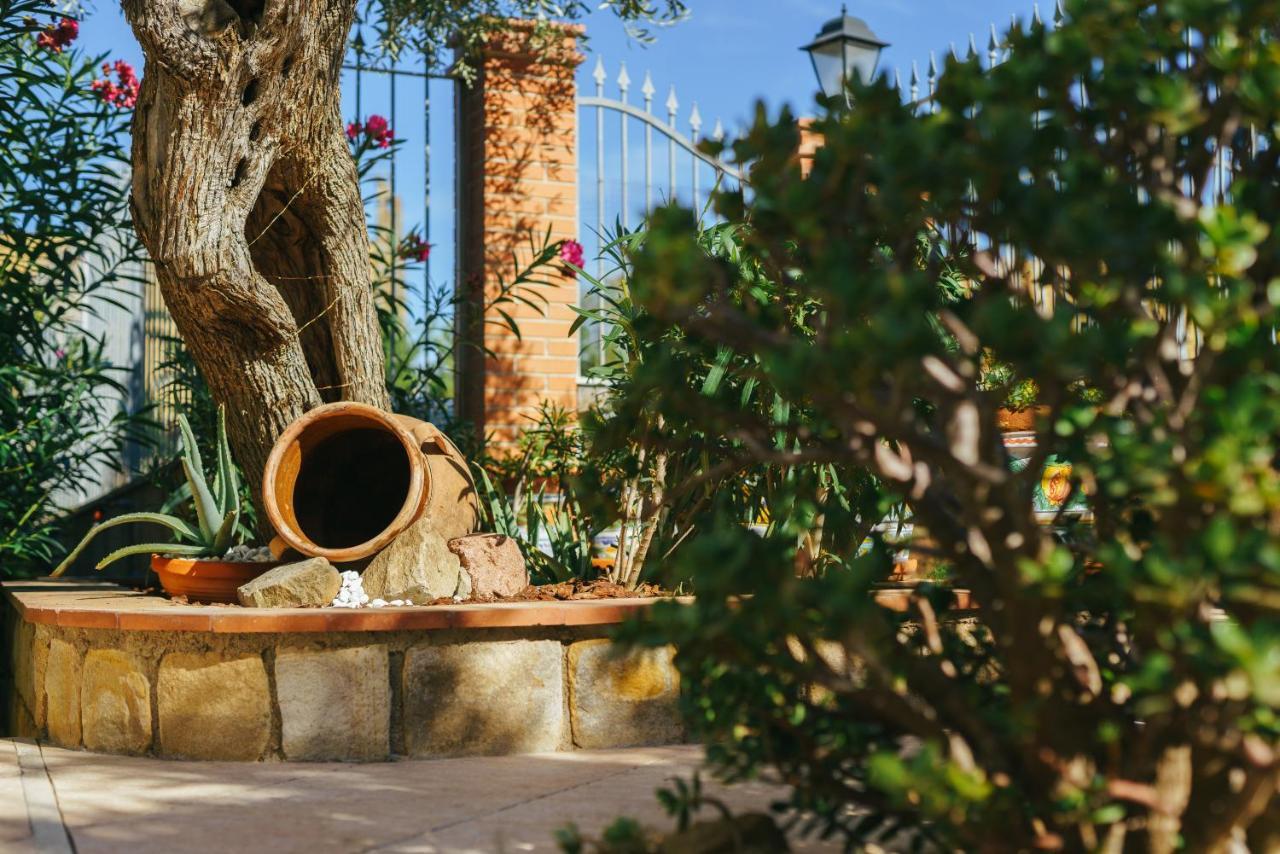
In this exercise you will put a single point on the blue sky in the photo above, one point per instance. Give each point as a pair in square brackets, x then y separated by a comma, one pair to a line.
[725, 56]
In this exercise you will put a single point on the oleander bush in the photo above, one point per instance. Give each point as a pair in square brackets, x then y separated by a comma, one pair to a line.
[1106, 197]
[66, 253]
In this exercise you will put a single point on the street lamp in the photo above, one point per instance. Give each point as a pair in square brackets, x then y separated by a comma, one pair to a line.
[845, 46]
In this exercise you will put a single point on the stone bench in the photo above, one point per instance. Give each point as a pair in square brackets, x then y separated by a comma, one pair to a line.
[96, 666]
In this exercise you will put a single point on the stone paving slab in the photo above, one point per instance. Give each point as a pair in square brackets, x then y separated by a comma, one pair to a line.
[449, 806]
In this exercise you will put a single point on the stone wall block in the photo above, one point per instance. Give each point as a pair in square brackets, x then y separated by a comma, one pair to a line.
[211, 707]
[483, 697]
[62, 693]
[30, 655]
[335, 703]
[115, 702]
[623, 699]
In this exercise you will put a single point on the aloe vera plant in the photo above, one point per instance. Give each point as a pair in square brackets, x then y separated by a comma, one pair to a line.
[217, 508]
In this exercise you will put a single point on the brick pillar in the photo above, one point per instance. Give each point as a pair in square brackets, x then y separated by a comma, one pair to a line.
[518, 176]
[810, 141]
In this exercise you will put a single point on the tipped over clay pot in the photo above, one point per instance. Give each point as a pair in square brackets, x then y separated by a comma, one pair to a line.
[345, 479]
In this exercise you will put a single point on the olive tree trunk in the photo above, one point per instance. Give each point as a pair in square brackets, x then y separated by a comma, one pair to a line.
[247, 199]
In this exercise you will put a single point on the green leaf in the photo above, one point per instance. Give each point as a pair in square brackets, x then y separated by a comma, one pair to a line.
[227, 530]
[179, 527]
[206, 509]
[184, 549]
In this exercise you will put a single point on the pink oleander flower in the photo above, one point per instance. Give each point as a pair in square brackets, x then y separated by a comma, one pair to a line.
[571, 253]
[378, 130]
[57, 36]
[375, 128]
[60, 353]
[415, 248]
[124, 92]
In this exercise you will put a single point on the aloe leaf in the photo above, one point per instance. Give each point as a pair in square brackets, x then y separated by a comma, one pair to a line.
[232, 482]
[206, 509]
[220, 464]
[179, 527]
[189, 446]
[227, 530]
[154, 548]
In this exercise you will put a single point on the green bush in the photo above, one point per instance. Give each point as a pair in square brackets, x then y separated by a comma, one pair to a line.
[1120, 687]
[65, 249]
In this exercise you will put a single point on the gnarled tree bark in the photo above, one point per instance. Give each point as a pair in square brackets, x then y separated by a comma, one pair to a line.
[246, 197]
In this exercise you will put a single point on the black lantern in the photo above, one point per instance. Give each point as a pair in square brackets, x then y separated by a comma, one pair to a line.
[845, 46]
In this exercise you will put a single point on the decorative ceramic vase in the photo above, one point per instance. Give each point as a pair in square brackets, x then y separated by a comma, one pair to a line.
[345, 479]
[205, 580]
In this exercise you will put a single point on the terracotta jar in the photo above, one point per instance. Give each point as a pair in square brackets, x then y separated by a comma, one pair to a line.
[344, 479]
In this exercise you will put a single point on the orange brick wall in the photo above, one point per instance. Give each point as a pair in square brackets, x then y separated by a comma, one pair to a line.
[810, 142]
[518, 176]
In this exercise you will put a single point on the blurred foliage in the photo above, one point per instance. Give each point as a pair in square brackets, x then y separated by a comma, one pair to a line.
[531, 496]
[1119, 691]
[664, 470]
[64, 254]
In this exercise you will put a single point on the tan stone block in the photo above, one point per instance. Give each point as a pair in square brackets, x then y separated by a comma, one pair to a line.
[115, 702]
[623, 698]
[62, 693]
[335, 704]
[30, 645]
[213, 707]
[21, 724]
[486, 697]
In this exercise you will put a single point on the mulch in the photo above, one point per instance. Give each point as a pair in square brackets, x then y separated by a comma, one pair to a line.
[566, 591]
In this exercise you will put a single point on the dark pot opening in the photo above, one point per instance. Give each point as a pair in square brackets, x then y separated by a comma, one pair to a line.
[350, 487]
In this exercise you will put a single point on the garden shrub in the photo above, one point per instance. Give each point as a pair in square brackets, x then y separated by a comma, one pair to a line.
[1119, 685]
[65, 252]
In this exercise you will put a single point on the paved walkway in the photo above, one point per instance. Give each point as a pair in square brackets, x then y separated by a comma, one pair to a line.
[54, 800]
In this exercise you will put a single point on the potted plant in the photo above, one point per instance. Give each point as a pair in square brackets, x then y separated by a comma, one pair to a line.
[1018, 411]
[195, 564]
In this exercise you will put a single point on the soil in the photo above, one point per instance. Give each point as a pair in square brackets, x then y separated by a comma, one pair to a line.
[570, 591]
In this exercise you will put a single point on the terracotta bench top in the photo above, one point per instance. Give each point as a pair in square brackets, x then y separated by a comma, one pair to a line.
[87, 604]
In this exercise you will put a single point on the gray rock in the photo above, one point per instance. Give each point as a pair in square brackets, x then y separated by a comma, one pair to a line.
[311, 582]
[417, 565]
[493, 562]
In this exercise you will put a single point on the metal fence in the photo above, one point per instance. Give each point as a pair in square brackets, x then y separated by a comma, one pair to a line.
[1045, 287]
[619, 181]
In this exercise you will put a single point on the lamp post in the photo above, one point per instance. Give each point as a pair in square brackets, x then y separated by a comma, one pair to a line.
[845, 46]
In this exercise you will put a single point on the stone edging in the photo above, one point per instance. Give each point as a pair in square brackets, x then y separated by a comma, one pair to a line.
[88, 605]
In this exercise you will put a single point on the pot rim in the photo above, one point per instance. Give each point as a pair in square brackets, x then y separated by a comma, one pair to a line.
[160, 561]
[415, 499]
